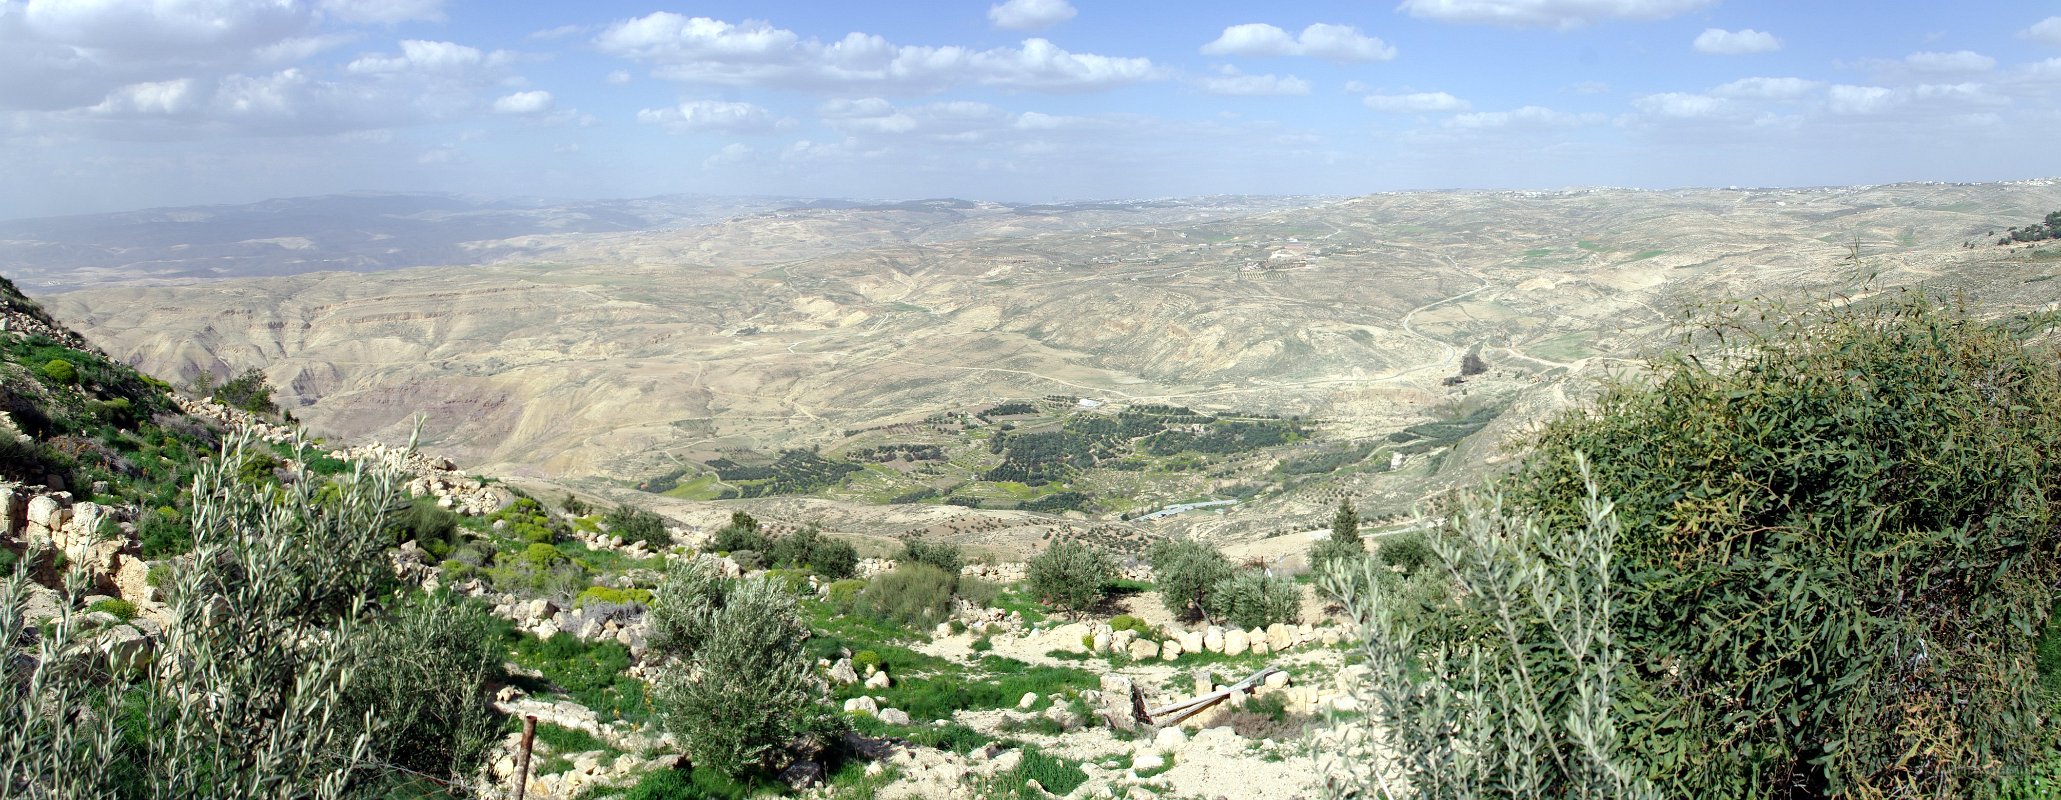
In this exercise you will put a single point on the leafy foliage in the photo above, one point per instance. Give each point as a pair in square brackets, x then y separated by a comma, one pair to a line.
[1344, 543]
[943, 555]
[1251, 599]
[809, 549]
[913, 593]
[741, 534]
[1187, 571]
[247, 391]
[1070, 575]
[737, 688]
[638, 525]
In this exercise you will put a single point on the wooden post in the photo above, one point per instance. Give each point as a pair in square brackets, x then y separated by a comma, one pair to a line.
[522, 760]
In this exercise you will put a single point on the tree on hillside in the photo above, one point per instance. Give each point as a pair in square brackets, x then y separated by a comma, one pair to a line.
[735, 684]
[1344, 543]
[1070, 575]
[1186, 571]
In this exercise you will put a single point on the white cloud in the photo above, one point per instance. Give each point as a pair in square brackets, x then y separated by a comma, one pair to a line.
[1592, 87]
[532, 102]
[618, 77]
[1718, 42]
[1357, 87]
[1415, 103]
[1030, 15]
[1528, 116]
[385, 12]
[1680, 105]
[732, 153]
[2046, 31]
[1768, 88]
[558, 32]
[1342, 43]
[160, 97]
[698, 116]
[419, 56]
[1561, 14]
[1230, 82]
[1845, 99]
[708, 51]
[1957, 61]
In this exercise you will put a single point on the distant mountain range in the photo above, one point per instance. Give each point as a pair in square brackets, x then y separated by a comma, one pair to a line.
[375, 232]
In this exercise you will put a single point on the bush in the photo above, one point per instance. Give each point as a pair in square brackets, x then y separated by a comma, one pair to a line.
[844, 595]
[242, 702]
[741, 534]
[1070, 575]
[1810, 483]
[422, 675]
[943, 555]
[247, 391]
[865, 658]
[1186, 571]
[637, 525]
[426, 523]
[612, 596]
[809, 549]
[744, 690]
[1408, 552]
[1253, 599]
[121, 609]
[1344, 543]
[915, 594]
[981, 593]
[60, 371]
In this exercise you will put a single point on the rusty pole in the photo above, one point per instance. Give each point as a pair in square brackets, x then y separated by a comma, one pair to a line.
[522, 761]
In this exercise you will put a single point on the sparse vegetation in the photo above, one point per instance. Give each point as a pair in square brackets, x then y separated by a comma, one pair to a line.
[1187, 572]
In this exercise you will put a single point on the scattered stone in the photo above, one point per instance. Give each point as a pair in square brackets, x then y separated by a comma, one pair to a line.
[894, 716]
[862, 705]
[878, 681]
[802, 775]
[842, 672]
[1141, 649]
[1029, 699]
[1235, 642]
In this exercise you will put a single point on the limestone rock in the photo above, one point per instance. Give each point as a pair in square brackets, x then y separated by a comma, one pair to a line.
[878, 681]
[1169, 650]
[1191, 642]
[1235, 642]
[1029, 699]
[894, 716]
[1169, 740]
[1141, 649]
[842, 672]
[862, 705]
[1213, 639]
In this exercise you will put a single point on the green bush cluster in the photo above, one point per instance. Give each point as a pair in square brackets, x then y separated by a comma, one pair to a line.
[1250, 598]
[1187, 571]
[1817, 561]
[1344, 543]
[638, 525]
[737, 685]
[943, 555]
[60, 372]
[809, 549]
[612, 596]
[1070, 575]
[913, 593]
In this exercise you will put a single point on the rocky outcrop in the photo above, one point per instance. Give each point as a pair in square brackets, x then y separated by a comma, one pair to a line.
[36, 521]
[428, 476]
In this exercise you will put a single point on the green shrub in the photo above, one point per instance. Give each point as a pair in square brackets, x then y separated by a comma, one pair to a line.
[1253, 599]
[1186, 571]
[455, 570]
[844, 595]
[865, 658]
[426, 523]
[809, 549]
[1344, 543]
[743, 691]
[422, 675]
[1070, 575]
[741, 534]
[1126, 622]
[915, 594]
[7, 561]
[1832, 463]
[638, 525]
[943, 555]
[1408, 552]
[60, 371]
[613, 596]
[982, 593]
[122, 609]
[164, 532]
[247, 391]
[243, 702]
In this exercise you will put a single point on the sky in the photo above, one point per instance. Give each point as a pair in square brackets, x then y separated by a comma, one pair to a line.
[123, 104]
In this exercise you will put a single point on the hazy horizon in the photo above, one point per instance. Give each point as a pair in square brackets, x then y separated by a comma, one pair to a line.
[124, 105]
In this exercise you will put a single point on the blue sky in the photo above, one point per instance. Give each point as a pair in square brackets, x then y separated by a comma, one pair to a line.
[119, 104]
